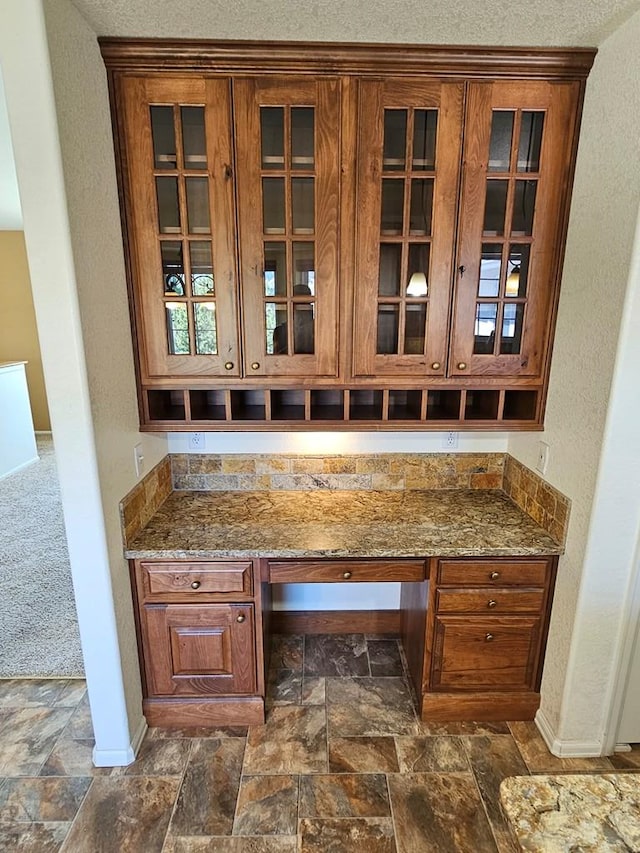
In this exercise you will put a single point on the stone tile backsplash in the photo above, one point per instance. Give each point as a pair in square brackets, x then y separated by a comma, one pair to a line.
[379, 472]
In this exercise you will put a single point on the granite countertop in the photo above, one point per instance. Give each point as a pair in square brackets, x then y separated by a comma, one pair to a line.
[560, 814]
[323, 523]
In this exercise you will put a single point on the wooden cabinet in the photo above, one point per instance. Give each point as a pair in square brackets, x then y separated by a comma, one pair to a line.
[485, 636]
[355, 236]
[200, 641]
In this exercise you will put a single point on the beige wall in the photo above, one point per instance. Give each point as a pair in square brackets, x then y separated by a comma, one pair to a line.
[19, 338]
[84, 123]
[603, 220]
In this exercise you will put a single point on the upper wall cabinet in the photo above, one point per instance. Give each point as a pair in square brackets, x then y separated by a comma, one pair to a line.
[354, 237]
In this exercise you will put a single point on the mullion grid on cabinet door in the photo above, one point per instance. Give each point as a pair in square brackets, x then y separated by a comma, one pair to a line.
[184, 225]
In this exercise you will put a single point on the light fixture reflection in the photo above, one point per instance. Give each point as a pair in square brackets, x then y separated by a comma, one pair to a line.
[417, 285]
[513, 282]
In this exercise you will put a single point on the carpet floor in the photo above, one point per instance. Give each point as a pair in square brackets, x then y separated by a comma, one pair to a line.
[38, 623]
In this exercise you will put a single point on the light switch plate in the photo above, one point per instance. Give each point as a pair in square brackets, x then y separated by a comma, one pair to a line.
[138, 459]
[543, 457]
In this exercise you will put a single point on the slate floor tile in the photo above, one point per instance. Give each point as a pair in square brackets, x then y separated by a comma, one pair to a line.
[384, 657]
[359, 707]
[287, 652]
[363, 755]
[314, 690]
[347, 835]
[267, 805]
[30, 693]
[72, 758]
[539, 760]
[431, 755]
[344, 795]
[38, 800]
[27, 737]
[200, 844]
[293, 740]
[335, 654]
[158, 757]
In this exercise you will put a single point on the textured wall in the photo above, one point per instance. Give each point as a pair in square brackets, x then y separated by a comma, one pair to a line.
[604, 212]
[87, 150]
[19, 339]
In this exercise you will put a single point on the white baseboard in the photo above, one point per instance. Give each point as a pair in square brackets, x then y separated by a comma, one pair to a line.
[566, 748]
[121, 757]
[19, 467]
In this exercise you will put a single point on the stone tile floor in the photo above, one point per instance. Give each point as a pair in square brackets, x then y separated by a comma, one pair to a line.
[342, 765]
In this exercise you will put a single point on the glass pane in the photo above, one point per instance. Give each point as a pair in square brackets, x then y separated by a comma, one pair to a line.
[421, 205]
[418, 272]
[193, 141]
[392, 206]
[177, 328]
[390, 266]
[303, 327]
[495, 207]
[518, 271]
[302, 202]
[198, 205]
[276, 328]
[302, 138]
[530, 142]
[272, 124]
[485, 327]
[415, 328]
[168, 211]
[275, 269]
[501, 136]
[425, 123]
[273, 205]
[523, 207]
[164, 138]
[511, 338]
[395, 140]
[172, 268]
[490, 269]
[205, 319]
[201, 269]
[304, 274]
[388, 325]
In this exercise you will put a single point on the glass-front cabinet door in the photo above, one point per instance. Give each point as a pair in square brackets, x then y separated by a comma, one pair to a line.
[517, 151]
[180, 187]
[409, 159]
[288, 155]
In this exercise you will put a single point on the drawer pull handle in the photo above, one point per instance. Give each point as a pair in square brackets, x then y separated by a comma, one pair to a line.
[195, 585]
[488, 637]
[494, 575]
[255, 365]
[228, 365]
[492, 602]
[462, 365]
[346, 575]
[436, 365]
[240, 618]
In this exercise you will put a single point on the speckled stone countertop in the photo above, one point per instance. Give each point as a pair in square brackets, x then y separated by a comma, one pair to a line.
[563, 814]
[324, 523]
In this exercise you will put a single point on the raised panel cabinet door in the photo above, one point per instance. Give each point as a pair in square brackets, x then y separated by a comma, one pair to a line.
[409, 143]
[196, 649]
[179, 198]
[288, 154]
[518, 146]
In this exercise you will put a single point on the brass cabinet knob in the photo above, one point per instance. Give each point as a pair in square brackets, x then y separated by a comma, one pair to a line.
[228, 365]
[346, 575]
[488, 637]
[494, 575]
[240, 618]
[462, 365]
[436, 365]
[491, 603]
[255, 365]
[195, 585]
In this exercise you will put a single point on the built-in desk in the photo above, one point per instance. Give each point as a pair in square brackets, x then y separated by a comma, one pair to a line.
[476, 574]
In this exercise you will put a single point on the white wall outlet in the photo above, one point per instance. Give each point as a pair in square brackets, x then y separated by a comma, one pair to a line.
[196, 441]
[138, 459]
[450, 440]
[543, 457]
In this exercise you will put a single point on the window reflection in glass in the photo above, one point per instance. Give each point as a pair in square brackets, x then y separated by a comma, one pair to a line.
[276, 328]
[304, 275]
[201, 268]
[172, 267]
[303, 328]
[511, 337]
[485, 328]
[500, 145]
[275, 269]
[415, 328]
[530, 142]
[495, 208]
[205, 326]
[518, 270]
[490, 269]
[177, 328]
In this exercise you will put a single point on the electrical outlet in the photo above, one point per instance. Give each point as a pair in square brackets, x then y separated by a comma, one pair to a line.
[450, 440]
[138, 459]
[196, 441]
[543, 457]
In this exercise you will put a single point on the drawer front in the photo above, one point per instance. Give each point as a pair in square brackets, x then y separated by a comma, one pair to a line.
[493, 572]
[165, 581]
[490, 601]
[345, 571]
[484, 654]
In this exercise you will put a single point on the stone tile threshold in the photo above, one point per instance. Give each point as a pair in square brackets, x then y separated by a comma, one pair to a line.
[342, 764]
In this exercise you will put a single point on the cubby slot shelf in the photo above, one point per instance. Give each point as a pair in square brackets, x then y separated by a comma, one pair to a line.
[342, 408]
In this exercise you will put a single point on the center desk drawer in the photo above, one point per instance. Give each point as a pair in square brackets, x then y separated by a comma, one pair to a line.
[489, 600]
[160, 580]
[341, 571]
